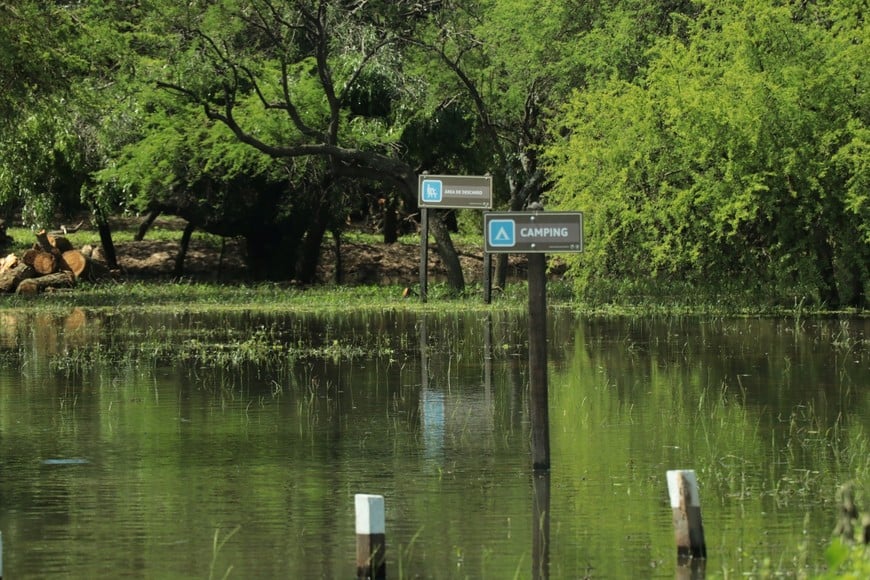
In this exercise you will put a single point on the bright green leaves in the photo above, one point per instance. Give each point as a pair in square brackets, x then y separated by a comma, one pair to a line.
[739, 152]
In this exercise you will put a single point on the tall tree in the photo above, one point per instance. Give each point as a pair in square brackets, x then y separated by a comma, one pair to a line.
[734, 157]
[38, 68]
[514, 62]
[59, 89]
[286, 77]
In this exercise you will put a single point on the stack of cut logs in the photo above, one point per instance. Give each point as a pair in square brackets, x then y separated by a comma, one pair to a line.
[51, 263]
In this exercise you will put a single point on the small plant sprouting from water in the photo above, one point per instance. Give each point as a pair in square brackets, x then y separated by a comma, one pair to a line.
[216, 545]
[405, 552]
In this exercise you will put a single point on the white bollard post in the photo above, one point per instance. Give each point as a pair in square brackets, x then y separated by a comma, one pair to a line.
[686, 505]
[371, 544]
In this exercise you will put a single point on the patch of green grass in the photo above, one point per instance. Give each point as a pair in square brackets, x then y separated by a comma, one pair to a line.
[141, 295]
[167, 231]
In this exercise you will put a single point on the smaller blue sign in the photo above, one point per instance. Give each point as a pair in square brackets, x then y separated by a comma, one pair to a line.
[432, 191]
[502, 233]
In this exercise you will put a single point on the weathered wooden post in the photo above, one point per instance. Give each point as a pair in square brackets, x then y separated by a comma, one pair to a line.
[539, 403]
[686, 505]
[424, 252]
[371, 544]
[1, 555]
[487, 277]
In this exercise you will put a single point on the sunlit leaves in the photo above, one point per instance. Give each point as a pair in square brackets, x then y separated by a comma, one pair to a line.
[736, 153]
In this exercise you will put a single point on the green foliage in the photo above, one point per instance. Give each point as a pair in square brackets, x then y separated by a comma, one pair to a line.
[846, 561]
[710, 146]
[38, 42]
[177, 151]
[69, 98]
[734, 156]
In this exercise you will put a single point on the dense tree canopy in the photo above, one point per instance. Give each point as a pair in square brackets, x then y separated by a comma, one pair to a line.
[718, 145]
[739, 155]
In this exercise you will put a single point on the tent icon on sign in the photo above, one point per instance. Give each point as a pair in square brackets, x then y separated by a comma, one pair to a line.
[432, 191]
[502, 233]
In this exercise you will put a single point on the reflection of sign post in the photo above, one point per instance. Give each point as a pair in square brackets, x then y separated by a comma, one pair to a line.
[533, 232]
[447, 192]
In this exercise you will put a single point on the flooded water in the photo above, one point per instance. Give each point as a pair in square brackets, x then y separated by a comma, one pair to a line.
[232, 445]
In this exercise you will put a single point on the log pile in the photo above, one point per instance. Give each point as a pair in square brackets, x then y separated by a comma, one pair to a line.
[52, 263]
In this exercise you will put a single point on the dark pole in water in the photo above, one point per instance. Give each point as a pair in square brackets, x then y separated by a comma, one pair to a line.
[487, 277]
[424, 252]
[539, 404]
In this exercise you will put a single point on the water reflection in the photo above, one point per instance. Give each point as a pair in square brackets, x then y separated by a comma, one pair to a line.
[541, 525]
[194, 424]
[455, 410]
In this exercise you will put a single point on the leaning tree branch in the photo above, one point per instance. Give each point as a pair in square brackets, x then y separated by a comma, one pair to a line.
[350, 157]
[479, 104]
[367, 57]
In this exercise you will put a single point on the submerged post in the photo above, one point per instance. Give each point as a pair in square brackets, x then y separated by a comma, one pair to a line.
[371, 545]
[1, 555]
[424, 253]
[686, 505]
[539, 403]
[487, 277]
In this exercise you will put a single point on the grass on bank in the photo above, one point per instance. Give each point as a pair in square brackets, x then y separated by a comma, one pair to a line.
[606, 297]
[195, 296]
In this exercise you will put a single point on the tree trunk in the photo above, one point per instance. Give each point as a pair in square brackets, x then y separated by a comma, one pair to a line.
[306, 268]
[5, 238]
[220, 268]
[84, 268]
[447, 252]
[339, 265]
[182, 251]
[146, 225]
[856, 263]
[8, 262]
[12, 277]
[271, 251]
[43, 241]
[825, 262]
[29, 256]
[60, 243]
[43, 283]
[45, 263]
[106, 240]
[390, 228]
